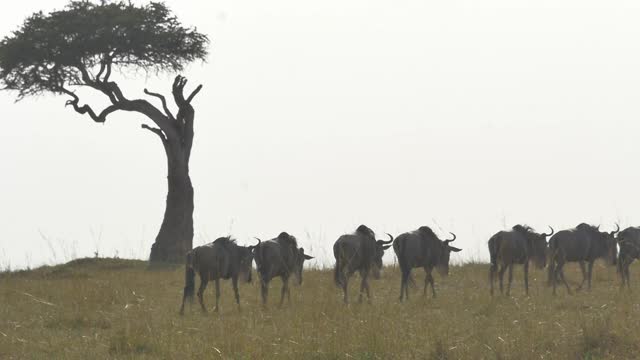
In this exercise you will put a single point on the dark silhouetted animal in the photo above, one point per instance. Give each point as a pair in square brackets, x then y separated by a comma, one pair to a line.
[518, 246]
[221, 259]
[358, 252]
[279, 257]
[422, 248]
[629, 242]
[584, 243]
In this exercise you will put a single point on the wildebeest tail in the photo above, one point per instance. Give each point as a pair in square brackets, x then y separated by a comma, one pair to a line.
[189, 277]
[494, 244]
[399, 247]
[401, 253]
[337, 272]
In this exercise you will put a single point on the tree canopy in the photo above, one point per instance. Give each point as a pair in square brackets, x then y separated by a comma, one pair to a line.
[80, 45]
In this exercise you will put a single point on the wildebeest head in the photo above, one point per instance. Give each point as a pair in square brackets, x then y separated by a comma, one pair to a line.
[627, 240]
[245, 260]
[300, 258]
[606, 242]
[611, 245]
[381, 246]
[445, 255]
[537, 243]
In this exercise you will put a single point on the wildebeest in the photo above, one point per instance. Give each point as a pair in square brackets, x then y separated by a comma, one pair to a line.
[518, 246]
[221, 259]
[629, 242]
[584, 243]
[422, 248]
[279, 257]
[358, 252]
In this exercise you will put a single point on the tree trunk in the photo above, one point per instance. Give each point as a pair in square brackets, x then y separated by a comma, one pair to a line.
[175, 237]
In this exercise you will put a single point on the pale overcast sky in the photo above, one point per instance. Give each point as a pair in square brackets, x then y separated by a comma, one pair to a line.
[318, 116]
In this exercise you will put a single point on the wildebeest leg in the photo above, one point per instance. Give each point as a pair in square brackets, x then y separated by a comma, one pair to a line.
[285, 289]
[510, 279]
[345, 288]
[624, 272]
[204, 279]
[366, 288]
[584, 275]
[503, 268]
[561, 274]
[553, 275]
[426, 281]
[404, 277]
[589, 273]
[363, 285]
[264, 289]
[554, 279]
[526, 278]
[234, 282]
[183, 301]
[409, 283]
[217, 281]
[492, 276]
[431, 281]
[621, 269]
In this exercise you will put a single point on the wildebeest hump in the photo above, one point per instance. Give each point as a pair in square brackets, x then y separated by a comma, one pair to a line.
[288, 248]
[269, 258]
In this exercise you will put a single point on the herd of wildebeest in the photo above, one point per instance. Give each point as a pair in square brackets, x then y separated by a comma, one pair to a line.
[361, 252]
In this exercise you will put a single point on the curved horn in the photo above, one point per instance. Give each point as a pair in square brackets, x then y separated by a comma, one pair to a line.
[598, 227]
[454, 237]
[552, 232]
[259, 241]
[390, 239]
[617, 229]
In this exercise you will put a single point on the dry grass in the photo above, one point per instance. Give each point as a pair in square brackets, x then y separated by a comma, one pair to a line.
[107, 308]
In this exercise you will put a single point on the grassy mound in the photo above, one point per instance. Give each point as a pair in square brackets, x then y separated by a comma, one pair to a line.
[78, 268]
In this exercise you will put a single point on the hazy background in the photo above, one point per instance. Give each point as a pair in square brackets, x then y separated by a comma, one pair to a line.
[317, 116]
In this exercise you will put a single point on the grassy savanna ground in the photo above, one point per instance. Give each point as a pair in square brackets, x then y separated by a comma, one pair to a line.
[108, 308]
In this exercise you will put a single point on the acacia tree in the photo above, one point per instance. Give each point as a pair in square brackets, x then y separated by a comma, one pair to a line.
[82, 45]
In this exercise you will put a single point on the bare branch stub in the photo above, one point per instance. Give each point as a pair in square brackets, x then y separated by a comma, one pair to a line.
[155, 131]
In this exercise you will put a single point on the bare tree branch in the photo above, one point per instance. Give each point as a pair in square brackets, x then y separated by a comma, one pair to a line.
[194, 93]
[164, 103]
[109, 88]
[103, 66]
[155, 131]
[141, 106]
[108, 62]
[86, 109]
